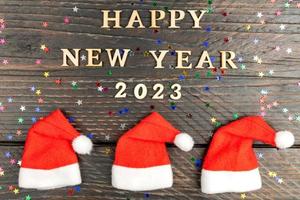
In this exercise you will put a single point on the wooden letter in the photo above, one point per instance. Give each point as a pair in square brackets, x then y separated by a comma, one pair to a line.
[92, 57]
[174, 18]
[117, 56]
[154, 18]
[67, 55]
[196, 18]
[135, 18]
[180, 58]
[159, 58]
[225, 60]
[115, 19]
[204, 59]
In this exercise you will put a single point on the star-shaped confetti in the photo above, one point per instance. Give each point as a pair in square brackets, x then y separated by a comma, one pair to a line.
[45, 24]
[20, 120]
[75, 9]
[79, 102]
[67, 20]
[259, 15]
[43, 47]
[261, 74]
[38, 92]
[107, 137]
[260, 155]
[213, 120]
[22, 108]
[123, 126]
[279, 180]
[243, 196]
[272, 174]
[46, 74]
[282, 27]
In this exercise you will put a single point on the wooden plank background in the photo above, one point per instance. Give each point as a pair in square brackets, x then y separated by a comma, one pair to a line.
[239, 91]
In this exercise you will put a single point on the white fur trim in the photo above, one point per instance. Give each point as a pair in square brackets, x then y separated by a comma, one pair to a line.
[142, 179]
[49, 179]
[184, 141]
[230, 181]
[82, 145]
[284, 139]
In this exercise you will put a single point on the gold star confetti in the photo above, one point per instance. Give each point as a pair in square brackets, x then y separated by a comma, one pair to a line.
[248, 27]
[43, 47]
[243, 196]
[46, 74]
[38, 92]
[107, 151]
[259, 60]
[272, 174]
[16, 191]
[213, 120]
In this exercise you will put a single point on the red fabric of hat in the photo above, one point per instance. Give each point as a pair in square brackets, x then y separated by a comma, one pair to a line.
[230, 164]
[49, 160]
[141, 158]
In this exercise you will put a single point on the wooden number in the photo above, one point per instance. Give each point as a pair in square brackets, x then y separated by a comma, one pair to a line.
[140, 91]
[176, 89]
[159, 88]
[121, 86]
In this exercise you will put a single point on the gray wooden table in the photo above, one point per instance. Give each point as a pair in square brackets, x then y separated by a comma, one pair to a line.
[233, 25]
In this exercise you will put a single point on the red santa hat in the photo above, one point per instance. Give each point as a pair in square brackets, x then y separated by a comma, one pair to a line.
[49, 160]
[230, 164]
[141, 159]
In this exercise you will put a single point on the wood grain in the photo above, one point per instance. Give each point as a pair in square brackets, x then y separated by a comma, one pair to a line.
[238, 91]
[191, 114]
[96, 173]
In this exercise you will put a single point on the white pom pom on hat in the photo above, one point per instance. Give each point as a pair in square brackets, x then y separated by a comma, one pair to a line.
[284, 139]
[82, 145]
[184, 141]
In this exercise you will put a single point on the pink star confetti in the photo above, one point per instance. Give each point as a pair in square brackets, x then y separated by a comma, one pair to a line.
[67, 20]
[263, 114]
[12, 161]
[277, 48]
[5, 61]
[11, 188]
[277, 12]
[2, 41]
[38, 61]
[45, 24]
[40, 100]
[2, 108]
[19, 132]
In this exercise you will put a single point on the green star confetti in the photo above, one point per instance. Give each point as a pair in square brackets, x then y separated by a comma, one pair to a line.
[109, 73]
[197, 75]
[28, 197]
[20, 120]
[208, 74]
[235, 116]
[218, 124]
